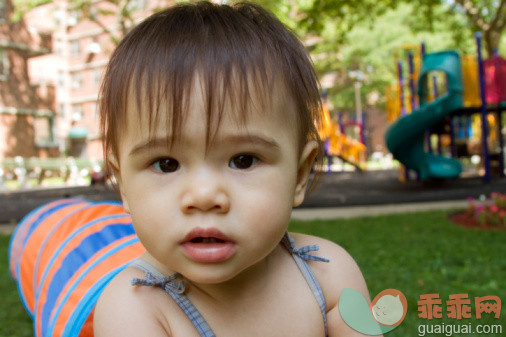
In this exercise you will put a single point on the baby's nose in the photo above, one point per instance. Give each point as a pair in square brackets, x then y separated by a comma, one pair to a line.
[205, 193]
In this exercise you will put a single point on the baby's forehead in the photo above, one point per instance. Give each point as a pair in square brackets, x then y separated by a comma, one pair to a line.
[234, 102]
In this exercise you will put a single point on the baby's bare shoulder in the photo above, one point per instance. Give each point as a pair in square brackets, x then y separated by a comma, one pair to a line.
[341, 272]
[126, 310]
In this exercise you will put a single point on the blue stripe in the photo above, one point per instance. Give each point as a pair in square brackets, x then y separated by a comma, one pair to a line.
[43, 248]
[35, 223]
[18, 266]
[57, 253]
[86, 305]
[78, 257]
[44, 216]
[54, 229]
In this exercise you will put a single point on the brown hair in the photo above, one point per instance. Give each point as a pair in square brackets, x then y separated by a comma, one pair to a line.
[229, 47]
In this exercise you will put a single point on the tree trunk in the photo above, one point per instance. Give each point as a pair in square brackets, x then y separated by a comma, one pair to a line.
[491, 39]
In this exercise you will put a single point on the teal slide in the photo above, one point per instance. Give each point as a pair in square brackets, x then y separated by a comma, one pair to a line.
[405, 137]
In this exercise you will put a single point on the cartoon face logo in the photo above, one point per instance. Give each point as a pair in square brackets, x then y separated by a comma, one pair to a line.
[389, 307]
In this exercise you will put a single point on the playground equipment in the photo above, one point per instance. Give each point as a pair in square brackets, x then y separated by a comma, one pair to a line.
[405, 138]
[338, 144]
[469, 113]
[62, 255]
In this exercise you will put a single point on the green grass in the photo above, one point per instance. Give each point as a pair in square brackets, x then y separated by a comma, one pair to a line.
[422, 253]
[14, 321]
[417, 253]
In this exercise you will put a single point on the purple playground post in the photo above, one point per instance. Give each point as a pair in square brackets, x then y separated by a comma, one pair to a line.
[401, 88]
[436, 95]
[484, 121]
[412, 89]
[403, 108]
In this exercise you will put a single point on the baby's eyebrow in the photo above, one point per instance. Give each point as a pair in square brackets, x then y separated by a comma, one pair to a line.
[254, 139]
[230, 139]
[148, 144]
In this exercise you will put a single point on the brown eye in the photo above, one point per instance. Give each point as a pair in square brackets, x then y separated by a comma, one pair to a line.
[166, 165]
[243, 162]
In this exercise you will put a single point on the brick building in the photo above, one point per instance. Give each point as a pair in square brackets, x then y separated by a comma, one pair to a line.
[80, 51]
[26, 110]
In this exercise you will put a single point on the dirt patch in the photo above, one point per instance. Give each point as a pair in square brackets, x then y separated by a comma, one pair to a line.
[464, 219]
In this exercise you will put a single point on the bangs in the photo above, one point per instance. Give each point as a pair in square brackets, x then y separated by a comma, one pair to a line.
[235, 54]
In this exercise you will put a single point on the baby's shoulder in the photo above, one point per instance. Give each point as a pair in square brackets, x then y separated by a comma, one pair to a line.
[126, 310]
[340, 272]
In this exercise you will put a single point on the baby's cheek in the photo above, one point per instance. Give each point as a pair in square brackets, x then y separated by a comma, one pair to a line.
[269, 207]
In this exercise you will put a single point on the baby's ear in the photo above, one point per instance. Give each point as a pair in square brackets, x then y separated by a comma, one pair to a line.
[113, 164]
[306, 160]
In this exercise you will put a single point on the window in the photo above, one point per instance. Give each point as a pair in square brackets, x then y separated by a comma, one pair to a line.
[58, 48]
[134, 5]
[58, 15]
[77, 81]
[4, 64]
[73, 18]
[93, 15]
[61, 110]
[96, 77]
[61, 79]
[75, 48]
[3, 14]
[94, 106]
[77, 112]
[44, 130]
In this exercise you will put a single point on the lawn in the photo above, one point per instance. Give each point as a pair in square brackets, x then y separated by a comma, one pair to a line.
[419, 253]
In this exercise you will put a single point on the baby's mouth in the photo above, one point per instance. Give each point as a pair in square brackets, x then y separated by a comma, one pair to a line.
[207, 240]
[208, 245]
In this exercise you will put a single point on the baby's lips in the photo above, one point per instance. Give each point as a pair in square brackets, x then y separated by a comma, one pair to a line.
[211, 232]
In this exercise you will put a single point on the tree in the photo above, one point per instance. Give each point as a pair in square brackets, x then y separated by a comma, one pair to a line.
[486, 16]
[94, 11]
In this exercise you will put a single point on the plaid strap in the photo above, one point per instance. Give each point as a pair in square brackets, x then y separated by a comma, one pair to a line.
[175, 288]
[300, 256]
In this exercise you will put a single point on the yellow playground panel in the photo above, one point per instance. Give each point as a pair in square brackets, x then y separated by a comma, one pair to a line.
[340, 145]
[469, 78]
[393, 102]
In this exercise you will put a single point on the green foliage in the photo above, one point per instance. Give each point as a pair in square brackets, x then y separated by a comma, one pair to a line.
[23, 6]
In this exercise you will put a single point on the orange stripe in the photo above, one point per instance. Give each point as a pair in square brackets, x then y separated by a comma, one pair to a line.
[86, 265]
[33, 250]
[16, 249]
[119, 258]
[56, 264]
[73, 222]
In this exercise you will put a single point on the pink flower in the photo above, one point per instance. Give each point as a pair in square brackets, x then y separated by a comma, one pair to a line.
[494, 208]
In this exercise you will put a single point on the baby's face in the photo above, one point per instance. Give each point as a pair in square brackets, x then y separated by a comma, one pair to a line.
[210, 215]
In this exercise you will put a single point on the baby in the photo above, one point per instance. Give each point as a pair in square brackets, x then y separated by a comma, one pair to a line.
[208, 116]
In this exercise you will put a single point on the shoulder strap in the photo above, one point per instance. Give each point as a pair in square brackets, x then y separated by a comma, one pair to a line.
[300, 256]
[175, 288]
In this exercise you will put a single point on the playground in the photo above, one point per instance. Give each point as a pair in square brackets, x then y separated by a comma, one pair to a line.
[395, 211]
[454, 121]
